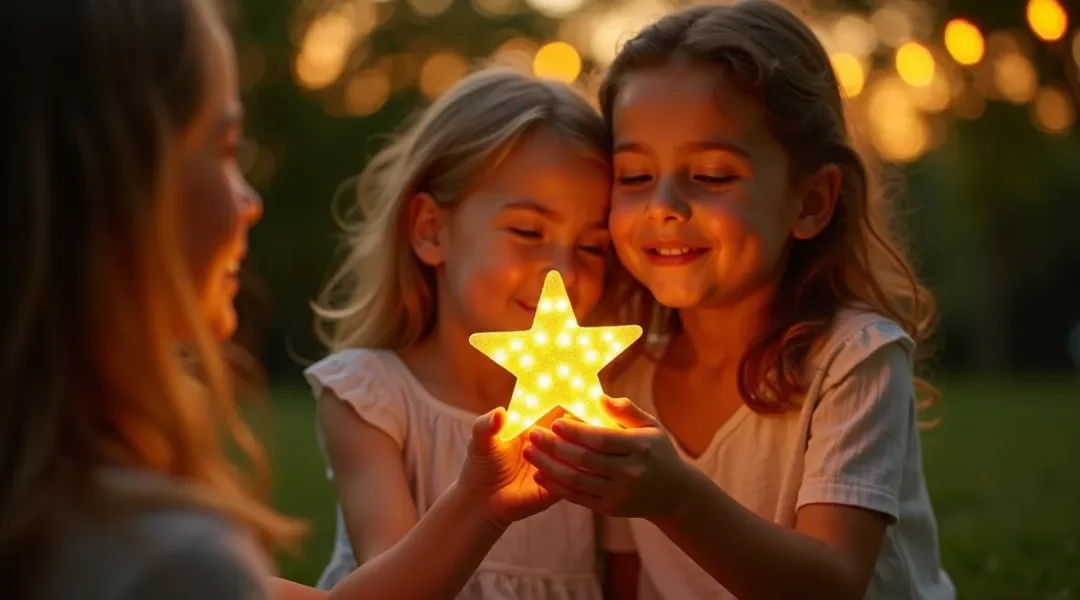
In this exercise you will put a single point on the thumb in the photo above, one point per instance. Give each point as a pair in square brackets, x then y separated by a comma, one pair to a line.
[628, 414]
[486, 427]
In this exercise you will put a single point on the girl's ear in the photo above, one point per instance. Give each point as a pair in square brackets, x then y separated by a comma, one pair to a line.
[427, 223]
[817, 202]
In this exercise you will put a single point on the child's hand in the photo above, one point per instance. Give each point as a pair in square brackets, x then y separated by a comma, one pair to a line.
[633, 472]
[496, 474]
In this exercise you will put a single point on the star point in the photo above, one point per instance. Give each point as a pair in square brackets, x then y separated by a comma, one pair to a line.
[556, 361]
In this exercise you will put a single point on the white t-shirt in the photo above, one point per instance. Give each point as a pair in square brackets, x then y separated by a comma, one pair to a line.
[854, 441]
[549, 555]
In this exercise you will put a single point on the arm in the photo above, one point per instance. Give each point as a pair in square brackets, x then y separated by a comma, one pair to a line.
[434, 560]
[829, 555]
[851, 481]
[369, 474]
[848, 495]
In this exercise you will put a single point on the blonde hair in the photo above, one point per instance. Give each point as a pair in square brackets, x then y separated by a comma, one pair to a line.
[382, 296]
[95, 279]
[858, 259]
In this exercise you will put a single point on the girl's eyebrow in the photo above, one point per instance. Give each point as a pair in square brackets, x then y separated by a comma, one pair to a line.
[532, 205]
[698, 146]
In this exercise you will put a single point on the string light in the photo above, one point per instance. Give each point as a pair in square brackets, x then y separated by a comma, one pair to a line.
[964, 42]
[556, 362]
[1047, 19]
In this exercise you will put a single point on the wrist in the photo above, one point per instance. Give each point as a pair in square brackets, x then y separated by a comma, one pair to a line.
[477, 509]
[687, 485]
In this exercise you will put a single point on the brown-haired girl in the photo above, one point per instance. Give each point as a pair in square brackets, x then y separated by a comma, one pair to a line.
[775, 453]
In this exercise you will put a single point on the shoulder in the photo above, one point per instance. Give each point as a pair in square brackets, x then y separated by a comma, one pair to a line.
[863, 342]
[352, 371]
[373, 384]
[164, 552]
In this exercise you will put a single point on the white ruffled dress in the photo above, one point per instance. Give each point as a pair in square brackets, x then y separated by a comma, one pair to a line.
[550, 556]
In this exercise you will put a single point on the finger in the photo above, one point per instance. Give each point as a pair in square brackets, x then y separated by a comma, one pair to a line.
[628, 414]
[486, 427]
[560, 491]
[568, 476]
[617, 442]
[578, 456]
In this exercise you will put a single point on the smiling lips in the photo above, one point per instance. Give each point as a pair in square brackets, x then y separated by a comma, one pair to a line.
[673, 253]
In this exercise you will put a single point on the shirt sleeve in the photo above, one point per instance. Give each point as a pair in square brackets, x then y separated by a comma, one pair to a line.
[859, 433]
[214, 571]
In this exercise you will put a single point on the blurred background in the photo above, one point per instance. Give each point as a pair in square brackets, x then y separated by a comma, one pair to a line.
[972, 103]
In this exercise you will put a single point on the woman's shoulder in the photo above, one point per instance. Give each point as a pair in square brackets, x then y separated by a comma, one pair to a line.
[160, 550]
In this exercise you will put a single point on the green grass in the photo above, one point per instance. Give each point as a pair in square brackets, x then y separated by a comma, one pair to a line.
[1002, 468]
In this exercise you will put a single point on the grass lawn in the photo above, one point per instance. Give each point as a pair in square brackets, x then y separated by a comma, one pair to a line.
[1007, 501]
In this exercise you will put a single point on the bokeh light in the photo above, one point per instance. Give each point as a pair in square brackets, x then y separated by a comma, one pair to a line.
[892, 24]
[429, 8]
[936, 96]
[367, 92]
[915, 64]
[516, 53]
[1047, 19]
[849, 73]
[555, 8]
[324, 49]
[964, 42]
[854, 35]
[898, 130]
[440, 71]
[557, 60]
[1076, 49]
[1015, 77]
[495, 8]
[1053, 111]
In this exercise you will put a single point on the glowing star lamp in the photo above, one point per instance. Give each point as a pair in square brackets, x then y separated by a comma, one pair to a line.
[556, 362]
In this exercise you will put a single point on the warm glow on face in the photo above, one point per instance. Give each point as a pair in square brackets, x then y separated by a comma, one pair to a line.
[915, 64]
[1047, 19]
[556, 362]
[557, 60]
[964, 42]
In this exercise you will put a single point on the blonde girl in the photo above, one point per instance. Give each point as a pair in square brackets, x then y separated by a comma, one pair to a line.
[775, 453]
[504, 178]
[125, 220]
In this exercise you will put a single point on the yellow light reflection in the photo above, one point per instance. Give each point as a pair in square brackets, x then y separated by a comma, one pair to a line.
[915, 64]
[551, 375]
[964, 42]
[555, 8]
[440, 71]
[367, 92]
[1047, 19]
[557, 60]
[1015, 77]
[849, 72]
[1053, 111]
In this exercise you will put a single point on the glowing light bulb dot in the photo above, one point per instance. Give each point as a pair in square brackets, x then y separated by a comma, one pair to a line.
[552, 370]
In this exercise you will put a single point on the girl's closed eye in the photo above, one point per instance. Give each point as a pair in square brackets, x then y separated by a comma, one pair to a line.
[526, 232]
[715, 178]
